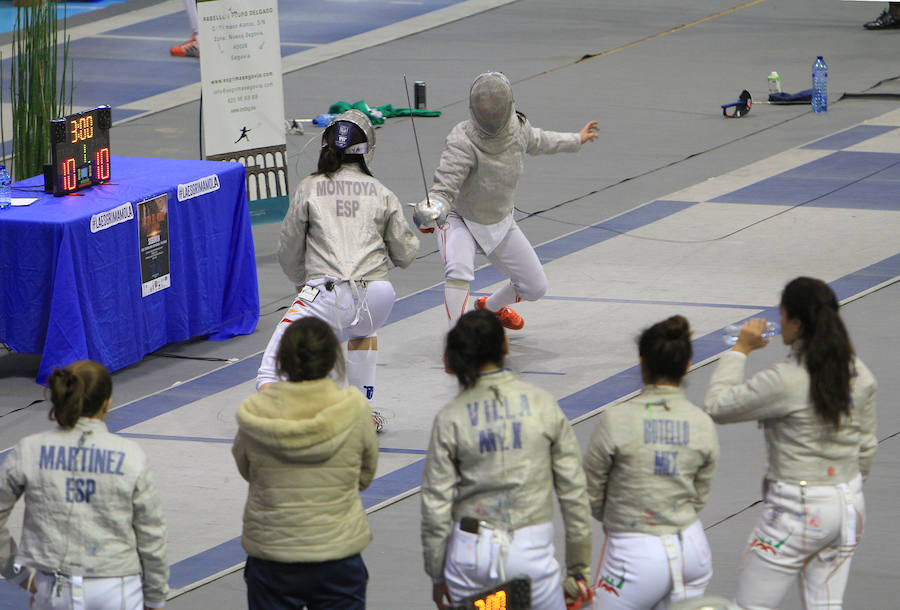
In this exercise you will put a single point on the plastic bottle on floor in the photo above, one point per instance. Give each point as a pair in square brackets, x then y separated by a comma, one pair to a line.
[5, 188]
[820, 85]
[774, 83]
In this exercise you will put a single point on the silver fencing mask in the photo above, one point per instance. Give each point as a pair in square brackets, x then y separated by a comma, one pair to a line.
[491, 102]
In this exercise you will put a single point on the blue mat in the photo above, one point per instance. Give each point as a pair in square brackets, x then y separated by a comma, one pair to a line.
[8, 11]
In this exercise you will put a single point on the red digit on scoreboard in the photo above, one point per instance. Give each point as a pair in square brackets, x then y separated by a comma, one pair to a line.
[101, 164]
[68, 174]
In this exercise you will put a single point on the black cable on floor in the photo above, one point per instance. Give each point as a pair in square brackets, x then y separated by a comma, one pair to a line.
[185, 357]
[32, 403]
[709, 527]
[865, 92]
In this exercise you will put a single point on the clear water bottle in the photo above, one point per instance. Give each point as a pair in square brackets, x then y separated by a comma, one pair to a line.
[732, 331]
[323, 120]
[5, 188]
[820, 85]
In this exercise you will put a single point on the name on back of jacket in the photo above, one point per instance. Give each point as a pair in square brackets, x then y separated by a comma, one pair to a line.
[345, 207]
[496, 420]
[666, 432]
[345, 187]
[81, 460]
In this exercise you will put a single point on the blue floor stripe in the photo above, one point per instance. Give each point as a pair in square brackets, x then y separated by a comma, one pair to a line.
[158, 404]
[392, 484]
[820, 181]
[202, 565]
[850, 137]
[409, 451]
[649, 302]
[169, 437]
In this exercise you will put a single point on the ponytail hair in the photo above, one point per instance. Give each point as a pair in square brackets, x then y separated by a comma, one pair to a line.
[665, 350]
[476, 340]
[331, 158]
[824, 345]
[78, 390]
[309, 350]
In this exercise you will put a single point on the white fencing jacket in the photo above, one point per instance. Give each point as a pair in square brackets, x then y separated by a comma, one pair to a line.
[801, 445]
[650, 463]
[91, 508]
[497, 453]
[345, 226]
[477, 175]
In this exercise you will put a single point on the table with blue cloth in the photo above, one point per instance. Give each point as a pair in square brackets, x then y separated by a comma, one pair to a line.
[70, 273]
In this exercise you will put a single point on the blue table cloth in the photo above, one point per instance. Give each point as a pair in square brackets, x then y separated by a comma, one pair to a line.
[70, 293]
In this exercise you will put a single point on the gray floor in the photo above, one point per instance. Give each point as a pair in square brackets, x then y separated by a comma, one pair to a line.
[656, 91]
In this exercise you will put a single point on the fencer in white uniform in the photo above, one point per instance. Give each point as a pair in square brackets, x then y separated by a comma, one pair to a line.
[94, 534]
[341, 231]
[472, 199]
[497, 454]
[817, 411]
[649, 467]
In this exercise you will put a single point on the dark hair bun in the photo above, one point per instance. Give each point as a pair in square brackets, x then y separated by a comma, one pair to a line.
[676, 327]
[665, 349]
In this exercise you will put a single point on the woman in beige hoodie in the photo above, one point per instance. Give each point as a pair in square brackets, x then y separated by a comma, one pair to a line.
[306, 447]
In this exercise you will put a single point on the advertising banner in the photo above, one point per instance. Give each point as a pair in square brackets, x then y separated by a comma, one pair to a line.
[153, 240]
[240, 69]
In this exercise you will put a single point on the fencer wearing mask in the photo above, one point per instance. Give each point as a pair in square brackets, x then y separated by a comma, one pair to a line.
[472, 199]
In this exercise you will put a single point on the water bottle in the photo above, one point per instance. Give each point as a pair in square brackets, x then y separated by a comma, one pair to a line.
[730, 335]
[774, 83]
[323, 120]
[5, 188]
[820, 85]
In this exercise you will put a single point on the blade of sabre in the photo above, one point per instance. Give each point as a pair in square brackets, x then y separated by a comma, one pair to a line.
[416, 138]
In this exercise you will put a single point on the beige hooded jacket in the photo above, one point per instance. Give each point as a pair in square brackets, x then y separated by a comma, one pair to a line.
[307, 449]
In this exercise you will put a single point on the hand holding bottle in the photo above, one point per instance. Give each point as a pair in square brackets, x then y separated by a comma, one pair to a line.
[753, 336]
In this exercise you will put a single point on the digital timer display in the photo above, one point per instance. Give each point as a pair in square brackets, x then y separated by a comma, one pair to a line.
[79, 150]
[513, 594]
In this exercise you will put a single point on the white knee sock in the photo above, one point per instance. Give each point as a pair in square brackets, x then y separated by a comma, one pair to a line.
[191, 7]
[456, 295]
[501, 298]
[361, 370]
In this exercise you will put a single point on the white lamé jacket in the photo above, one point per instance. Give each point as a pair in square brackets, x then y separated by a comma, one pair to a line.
[801, 446]
[498, 453]
[91, 508]
[477, 175]
[345, 226]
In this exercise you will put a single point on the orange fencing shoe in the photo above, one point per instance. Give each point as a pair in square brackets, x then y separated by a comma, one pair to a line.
[507, 316]
[186, 49]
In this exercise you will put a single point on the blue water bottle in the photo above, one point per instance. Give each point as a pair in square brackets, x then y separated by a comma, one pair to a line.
[5, 188]
[820, 85]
